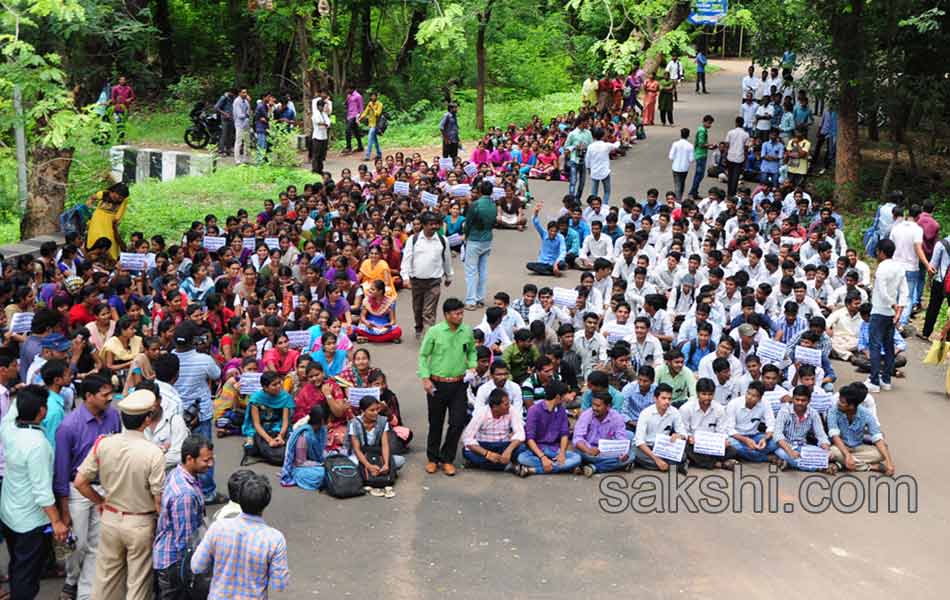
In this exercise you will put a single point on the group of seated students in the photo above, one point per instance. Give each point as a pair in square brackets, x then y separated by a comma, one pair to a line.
[721, 315]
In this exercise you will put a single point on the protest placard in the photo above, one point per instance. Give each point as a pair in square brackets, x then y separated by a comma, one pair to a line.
[808, 356]
[774, 398]
[355, 394]
[429, 199]
[772, 352]
[813, 457]
[566, 297]
[250, 383]
[667, 449]
[821, 400]
[272, 243]
[249, 243]
[132, 261]
[21, 322]
[298, 339]
[613, 448]
[710, 443]
[213, 243]
[471, 169]
[446, 163]
[401, 188]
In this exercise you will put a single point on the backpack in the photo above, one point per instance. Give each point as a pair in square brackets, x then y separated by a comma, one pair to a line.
[342, 478]
[871, 236]
[382, 123]
[74, 219]
[197, 586]
[374, 454]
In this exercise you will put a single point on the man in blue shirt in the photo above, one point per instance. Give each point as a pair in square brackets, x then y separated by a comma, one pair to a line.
[553, 249]
[773, 151]
[637, 396]
[262, 124]
[848, 424]
[701, 71]
[827, 133]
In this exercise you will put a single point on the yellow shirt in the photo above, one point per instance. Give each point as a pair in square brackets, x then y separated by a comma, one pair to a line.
[371, 112]
[797, 166]
[589, 91]
[103, 221]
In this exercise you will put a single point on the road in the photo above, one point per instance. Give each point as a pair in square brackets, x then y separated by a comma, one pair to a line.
[482, 535]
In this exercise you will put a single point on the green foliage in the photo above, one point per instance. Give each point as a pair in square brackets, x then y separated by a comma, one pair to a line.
[283, 150]
[168, 208]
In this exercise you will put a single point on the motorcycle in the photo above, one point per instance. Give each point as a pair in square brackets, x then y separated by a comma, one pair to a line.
[205, 127]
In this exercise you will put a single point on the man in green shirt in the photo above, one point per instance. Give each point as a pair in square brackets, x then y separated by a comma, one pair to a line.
[700, 150]
[447, 352]
[576, 146]
[27, 505]
[479, 222]
[678, 376]
[521, 356]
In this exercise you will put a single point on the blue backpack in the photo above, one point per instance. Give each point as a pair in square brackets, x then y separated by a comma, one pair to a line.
[74, 220]
[872, 236]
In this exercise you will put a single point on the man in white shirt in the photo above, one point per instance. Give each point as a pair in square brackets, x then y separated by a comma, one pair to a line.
[500, 380]
[426, 260]
[659, 419]
[747, 111]
[750, 423]
[681, 155]
[321, 136]
[597, 161]
[750, 83]
[844, 325]
[889, 299]
[596, 245]
[908, 238]
[736, 139]
[763, 119]
[702, 414]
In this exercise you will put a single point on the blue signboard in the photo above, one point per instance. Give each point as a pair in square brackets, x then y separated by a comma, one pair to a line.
[708, 12]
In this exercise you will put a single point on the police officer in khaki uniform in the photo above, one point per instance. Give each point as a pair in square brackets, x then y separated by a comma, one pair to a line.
[132, 471]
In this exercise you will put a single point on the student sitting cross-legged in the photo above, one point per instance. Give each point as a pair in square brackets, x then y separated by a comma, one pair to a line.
[703, 413]
[850, 423]
[750, 423]
[494, 437]
[547, 433]
[600, 422]
[794, 422]
[659, 419]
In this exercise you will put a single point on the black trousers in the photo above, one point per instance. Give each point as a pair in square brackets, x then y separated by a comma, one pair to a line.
[226, 144]
[544, 268]
[446, 398]
[28, 553]
[706, 461]
[450, 149]
[701, 79]
[734, 169]
[353, 130]
[319, 155]
[169, 584]
[933, 308]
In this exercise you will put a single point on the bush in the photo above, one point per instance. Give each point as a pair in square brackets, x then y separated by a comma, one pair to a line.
[283, 150]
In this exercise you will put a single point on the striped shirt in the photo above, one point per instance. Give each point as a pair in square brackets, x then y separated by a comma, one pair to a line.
[486, 428]
[793, 429]
[194, 372]
[791, 330]
[248, 556]
[183, 508]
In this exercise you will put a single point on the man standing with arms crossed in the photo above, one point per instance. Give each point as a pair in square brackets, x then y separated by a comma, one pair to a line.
[132, 470]
[449, 127]
[479, 221]
[240, 111]
[447, 352]
[426, 260]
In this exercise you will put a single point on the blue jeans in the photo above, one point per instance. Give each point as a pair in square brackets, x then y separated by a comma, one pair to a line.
[604, 464]
[698, 176]
[476, 270]
[578, 174]
[770, 178]
[206, 479]
[915, 287]
[745, 453]
[792, 462]
[881, 336]
[371, 140]
[571, 460]
[480, 462]
[594, 186]
[261, 145]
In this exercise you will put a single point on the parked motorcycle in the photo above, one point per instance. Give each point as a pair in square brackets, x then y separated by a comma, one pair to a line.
[205, 127]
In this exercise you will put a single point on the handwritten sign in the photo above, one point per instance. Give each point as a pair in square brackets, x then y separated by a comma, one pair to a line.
[309, 224]
[667, 449]
[497, 193]
[774, 399]
[272, 243]
[613, 448]
[213, 243]
[454, 240]
[772, 352]
[249, 243]
[250, 383]
[813, 457]
[21, 322]
[565, 297]
[446, 163]
[471, 169]
[355, 394]
[460, 190]
[615, 332]
[710, 443]
[298, 339]
[821, 400]
[808, 356]
[430, 199]
[132, 261]
[401, 188]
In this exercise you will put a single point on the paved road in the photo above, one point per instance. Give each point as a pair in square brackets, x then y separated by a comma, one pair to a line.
[491, 535]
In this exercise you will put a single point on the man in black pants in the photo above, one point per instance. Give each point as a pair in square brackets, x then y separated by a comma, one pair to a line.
[446, 354]
[940, 262]
[449, 128]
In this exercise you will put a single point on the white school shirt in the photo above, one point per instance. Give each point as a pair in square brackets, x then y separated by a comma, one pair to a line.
[651, 422]
[745, 421]
[694, 419]
[594, 248]
[681, 153]
[906, 235]
[597, 159]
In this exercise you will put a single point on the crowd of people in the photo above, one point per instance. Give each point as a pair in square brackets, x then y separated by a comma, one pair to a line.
[696, 330]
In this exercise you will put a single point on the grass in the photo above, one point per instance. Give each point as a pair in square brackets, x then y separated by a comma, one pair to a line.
[168, 208]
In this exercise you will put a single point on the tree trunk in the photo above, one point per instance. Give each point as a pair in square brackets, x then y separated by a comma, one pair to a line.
[889, 174]
[874, 132]
[847, 37]
[49, 174]
[405, 53]
[306, 79]
[480, 60]
[674, 17]
[166, 49]
[367, 50]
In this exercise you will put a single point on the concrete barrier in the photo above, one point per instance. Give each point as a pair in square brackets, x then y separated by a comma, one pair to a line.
[31, 246]
[130, 164]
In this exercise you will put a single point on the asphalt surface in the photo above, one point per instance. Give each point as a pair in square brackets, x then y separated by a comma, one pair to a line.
[481, 535]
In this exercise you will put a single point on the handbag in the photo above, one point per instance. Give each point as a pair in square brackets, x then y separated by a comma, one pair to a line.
[938, 351]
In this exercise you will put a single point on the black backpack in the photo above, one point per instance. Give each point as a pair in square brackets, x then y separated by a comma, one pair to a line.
[342, 479]
[374, 454]
[382, 124]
